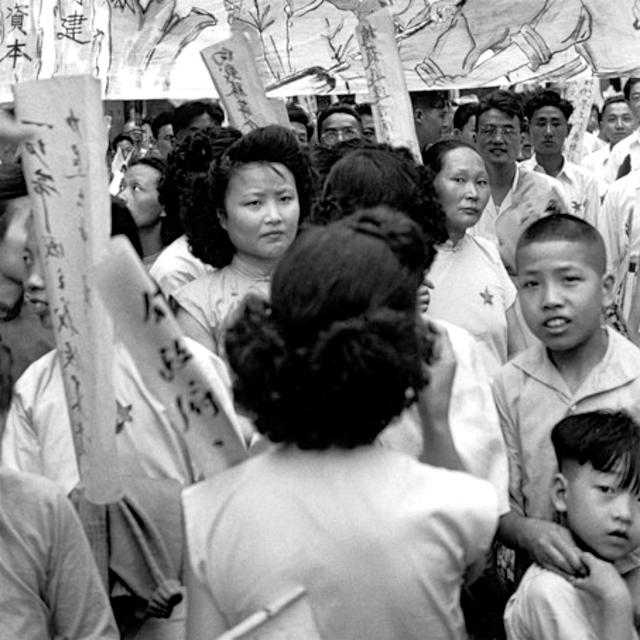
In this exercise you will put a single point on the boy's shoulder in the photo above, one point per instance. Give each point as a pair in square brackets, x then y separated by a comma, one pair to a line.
[620, 364]
[546, 605]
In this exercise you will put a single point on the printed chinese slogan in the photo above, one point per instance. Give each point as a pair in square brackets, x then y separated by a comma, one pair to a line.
[150, 49]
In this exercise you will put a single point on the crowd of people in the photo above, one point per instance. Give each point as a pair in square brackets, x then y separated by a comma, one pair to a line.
[434, 367]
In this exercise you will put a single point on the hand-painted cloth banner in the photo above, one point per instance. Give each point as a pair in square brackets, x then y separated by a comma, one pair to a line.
[150, 48]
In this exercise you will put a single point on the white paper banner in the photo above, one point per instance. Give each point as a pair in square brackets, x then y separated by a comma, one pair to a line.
[66, 175]
[198, 403]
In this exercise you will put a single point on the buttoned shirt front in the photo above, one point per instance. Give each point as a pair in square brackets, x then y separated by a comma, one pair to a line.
[532, 196]
[579, 184]
[629, 146]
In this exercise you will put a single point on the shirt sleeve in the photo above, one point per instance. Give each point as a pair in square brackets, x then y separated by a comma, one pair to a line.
[75, 593]
[547, 610]
[20, 445]
[591, 200]
[511, 440]
[610, 226]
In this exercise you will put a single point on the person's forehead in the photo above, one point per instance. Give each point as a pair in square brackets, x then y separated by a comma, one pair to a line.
[495, 116]
[165, 130]
[556, 254]
[143, 173]
[340, 120]
[548, 111]
[616, 108]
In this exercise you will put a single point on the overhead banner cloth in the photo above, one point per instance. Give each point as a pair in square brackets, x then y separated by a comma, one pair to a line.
[150, 48]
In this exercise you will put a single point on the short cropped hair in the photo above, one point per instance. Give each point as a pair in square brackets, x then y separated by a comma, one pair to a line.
[161, 120]
[547, 98]
[508, 102]
[463, 114]
[381, 175]
[429, 99]
[340, 107]
[608, 440]
[12, 186]
[336, 354]
[297, 114]
[364, 109]
[564, 226]
[629, 85]
[185, 113]
[267, 144]
[615, 99]
[185, 191]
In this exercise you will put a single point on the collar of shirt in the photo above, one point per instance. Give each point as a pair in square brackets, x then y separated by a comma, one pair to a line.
[249, 271]
[491, 209]
[616, 368]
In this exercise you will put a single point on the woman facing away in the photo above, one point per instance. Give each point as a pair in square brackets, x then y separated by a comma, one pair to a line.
[260, 189]
[380, 542]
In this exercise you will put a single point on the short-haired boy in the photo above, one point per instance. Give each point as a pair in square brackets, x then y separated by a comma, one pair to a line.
[597, 494]
[579, 365]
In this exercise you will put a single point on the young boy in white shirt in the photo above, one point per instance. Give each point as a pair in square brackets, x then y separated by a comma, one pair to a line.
[579, 365]
[596, 494]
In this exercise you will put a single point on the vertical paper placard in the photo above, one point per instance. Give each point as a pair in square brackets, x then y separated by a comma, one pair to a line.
[289, 617]
[199, 404]
[232, 66]
[66, 176]
[581, 93]
[391, 105]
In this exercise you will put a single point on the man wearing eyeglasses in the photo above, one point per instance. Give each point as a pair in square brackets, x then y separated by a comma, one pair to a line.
[338, 123]
[518, 196]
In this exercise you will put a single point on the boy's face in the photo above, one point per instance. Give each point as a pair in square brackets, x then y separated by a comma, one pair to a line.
[562, 292]
[603, 517]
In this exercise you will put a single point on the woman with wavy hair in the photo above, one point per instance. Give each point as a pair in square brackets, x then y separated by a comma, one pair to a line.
[259, 191]
[379, 541]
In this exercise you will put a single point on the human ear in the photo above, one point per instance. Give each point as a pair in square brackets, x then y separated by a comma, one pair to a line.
[559, 493]
[608, 284]
[222, 219]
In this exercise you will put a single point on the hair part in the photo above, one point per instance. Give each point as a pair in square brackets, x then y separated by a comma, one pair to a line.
[548, 98]
[508, 102]
[565, 227]
[608, 440]
[463, 114]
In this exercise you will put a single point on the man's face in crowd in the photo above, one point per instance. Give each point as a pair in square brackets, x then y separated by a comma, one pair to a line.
[617, 122]
[165, 141]
[549, 130]
[498, 137]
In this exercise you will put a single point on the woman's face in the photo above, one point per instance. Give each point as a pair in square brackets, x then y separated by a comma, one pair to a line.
[261, 211]
[12, 247]
[462, 186]
[140, 194]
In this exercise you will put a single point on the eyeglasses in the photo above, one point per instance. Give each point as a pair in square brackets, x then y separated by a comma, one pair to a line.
[489, 130]
[331, 136]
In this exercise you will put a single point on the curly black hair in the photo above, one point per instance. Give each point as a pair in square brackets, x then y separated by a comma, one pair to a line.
[379, 174]
[185, 191]
[336, 355]
[208, 239]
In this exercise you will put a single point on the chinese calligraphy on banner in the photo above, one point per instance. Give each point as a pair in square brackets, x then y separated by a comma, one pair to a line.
[150, 48]
[64, 169]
